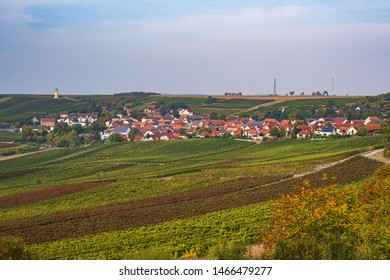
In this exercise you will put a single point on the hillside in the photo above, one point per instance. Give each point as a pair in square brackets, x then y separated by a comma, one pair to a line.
[19, 107]
[142, 199]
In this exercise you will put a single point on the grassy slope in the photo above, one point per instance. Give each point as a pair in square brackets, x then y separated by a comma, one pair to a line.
[151, 170]
[24, 107]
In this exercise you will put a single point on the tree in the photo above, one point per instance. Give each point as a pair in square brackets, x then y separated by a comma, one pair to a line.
[115, 138]
[211, 100]
[387, 131]
[327, 124]
[27, 133]
[275, 132]
[292, 93]
[314, 224]
[295, 114]
[133, 132]
[362, 131]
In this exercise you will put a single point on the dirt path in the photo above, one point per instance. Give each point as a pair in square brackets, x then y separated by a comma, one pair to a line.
[5, 99]
[377, 155]
[260, 106]
[2, 158]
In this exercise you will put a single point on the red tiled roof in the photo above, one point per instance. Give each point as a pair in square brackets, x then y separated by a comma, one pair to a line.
[373, 126]
[48, 120]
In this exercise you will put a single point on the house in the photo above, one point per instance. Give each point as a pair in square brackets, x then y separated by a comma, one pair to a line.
[271, 121]
[4, 126]
[216, 123]
[304, 134]
[147, 119]
[138, 138]
[373, 127]
[186, 112]
[351, 130]
[251, 133]
[34, 120]
[327, 131]
[124, 131]
[50, 122]
[148, 134]
[357, 122]
[197, 124]
[338, 120]
[371, 119]
[64, 115]
[121, 130]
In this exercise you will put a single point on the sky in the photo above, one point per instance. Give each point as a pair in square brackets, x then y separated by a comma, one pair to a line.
[195, 46]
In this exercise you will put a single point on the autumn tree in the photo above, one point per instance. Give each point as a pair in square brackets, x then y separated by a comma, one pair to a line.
[331, 222]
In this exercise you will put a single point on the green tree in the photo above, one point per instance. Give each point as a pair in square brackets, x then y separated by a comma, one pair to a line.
[362, 131]
[211, 100]
[133, 132]
[115, 138]
[27, 133]
[295, 114]
[276, 132]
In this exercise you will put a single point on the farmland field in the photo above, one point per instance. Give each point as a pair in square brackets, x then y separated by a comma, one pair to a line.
[141, 199]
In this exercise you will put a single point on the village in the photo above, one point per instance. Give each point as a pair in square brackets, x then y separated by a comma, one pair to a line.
[154, 126]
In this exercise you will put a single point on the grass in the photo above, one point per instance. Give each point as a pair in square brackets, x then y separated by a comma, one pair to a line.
[7, 136]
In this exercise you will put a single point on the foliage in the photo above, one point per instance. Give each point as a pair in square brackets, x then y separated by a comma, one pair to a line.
[211, 100]
[362, 131]
[115, 138]
[62, 135]
[195, 235]
[227, 251]
[386, 152]
[332, 223]
[13, 248]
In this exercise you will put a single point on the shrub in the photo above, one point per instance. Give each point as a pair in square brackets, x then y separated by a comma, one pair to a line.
[189, 255]
[13, 248]
[331, 223]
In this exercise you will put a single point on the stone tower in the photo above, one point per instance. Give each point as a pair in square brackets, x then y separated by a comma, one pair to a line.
[56, 94]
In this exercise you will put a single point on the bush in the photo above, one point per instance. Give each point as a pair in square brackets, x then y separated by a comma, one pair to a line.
[13, 248]
[331, 223]
[227, 251]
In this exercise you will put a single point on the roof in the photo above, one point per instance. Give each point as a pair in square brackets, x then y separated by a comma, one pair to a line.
[328, 129]
[121, 130]
[304, 132]
[48, 120]
[373, 126]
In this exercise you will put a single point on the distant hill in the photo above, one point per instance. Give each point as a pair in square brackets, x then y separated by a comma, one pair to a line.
[137, 93]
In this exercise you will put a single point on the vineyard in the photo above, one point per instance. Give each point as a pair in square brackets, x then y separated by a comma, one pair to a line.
[129, 200]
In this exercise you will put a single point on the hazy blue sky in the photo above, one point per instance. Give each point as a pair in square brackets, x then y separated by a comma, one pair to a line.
[194, 46]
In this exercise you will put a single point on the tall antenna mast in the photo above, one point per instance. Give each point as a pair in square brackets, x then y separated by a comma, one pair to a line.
[275, 86]
[332, 84]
